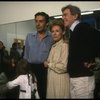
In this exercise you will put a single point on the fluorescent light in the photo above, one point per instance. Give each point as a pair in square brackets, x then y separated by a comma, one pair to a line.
[58, 17]
[96, 9]
[86, 13]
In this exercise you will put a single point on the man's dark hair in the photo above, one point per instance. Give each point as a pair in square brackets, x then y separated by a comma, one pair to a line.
[43, 14]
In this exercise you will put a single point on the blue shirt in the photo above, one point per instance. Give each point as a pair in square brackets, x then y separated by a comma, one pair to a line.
[37, 51]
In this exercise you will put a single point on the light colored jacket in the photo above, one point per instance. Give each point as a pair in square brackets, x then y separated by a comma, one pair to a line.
[25, 88]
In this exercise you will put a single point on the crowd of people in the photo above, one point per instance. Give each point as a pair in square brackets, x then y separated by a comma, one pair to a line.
[55, 63]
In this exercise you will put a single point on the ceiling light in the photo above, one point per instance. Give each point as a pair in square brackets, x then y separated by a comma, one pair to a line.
[57, 17]
[86, 13]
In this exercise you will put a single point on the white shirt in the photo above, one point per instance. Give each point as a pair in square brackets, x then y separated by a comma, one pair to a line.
[74, 24]
[22, 81]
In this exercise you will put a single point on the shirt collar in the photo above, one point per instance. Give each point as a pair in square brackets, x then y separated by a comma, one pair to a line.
[57, 43]
[35, 33]
[74, 24]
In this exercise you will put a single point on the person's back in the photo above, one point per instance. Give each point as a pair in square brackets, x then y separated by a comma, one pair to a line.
[25, 87]
[14, 53]
[20, 49]
[4, 58]
[25, 79]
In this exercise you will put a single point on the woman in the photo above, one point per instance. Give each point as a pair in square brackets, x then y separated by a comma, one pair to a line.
[58, 78]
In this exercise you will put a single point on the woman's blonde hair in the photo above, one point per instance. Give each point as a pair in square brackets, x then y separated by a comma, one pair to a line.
[60, 23]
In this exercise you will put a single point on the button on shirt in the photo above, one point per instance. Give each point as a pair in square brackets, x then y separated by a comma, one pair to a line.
[37, 51]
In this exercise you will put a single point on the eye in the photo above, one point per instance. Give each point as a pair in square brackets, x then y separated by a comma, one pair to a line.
[52, 31]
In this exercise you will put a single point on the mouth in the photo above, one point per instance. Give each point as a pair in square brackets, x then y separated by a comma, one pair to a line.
[38, 28]
[55, 37]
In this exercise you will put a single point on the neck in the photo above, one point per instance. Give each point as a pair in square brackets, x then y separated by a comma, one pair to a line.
[41, 35]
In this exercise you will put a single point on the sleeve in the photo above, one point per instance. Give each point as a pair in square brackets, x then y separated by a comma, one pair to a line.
[61, 64]
[26, 52]
[14, 83]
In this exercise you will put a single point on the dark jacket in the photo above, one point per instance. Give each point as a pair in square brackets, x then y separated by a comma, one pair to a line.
[84, 46]
[4, 59]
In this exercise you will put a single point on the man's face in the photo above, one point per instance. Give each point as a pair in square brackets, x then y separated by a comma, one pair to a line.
[40, 23]
[68, 18]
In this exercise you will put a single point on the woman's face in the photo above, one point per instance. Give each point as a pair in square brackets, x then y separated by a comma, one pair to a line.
[57, 33]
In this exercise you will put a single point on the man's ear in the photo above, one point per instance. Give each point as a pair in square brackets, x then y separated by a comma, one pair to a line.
[75, 16]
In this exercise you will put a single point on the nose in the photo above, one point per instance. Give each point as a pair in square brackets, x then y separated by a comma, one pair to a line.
[37, 24]
[54, 33]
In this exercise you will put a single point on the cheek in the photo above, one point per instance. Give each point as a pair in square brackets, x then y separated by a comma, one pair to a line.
[57, 39]
[58, 36]
[66, 23]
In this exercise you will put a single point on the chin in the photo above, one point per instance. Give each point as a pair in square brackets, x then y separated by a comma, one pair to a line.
[66, 25]
[56, 40]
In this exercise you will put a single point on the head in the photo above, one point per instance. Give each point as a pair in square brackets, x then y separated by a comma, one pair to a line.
[57, 29]
[14, 45]
[41, 19]
[22, 67]
[19, 45]
[70, 14]
[1, 45]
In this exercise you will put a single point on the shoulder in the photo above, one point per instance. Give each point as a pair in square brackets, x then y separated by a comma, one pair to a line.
[83, 24]
[5, 52]
[31, 34]
[82, 27]
[65, 44]
[21, 77]
[48, 32]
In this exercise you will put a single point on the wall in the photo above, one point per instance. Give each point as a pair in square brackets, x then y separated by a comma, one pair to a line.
[20, 11]
[17, 18]
[8, 32]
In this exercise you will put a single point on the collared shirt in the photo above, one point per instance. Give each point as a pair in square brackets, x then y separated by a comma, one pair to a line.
[74, 24]
[37, 51]
[58, 57]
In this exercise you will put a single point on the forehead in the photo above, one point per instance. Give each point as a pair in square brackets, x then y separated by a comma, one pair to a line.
[39, 17]
[56, 26]
[67, 11]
